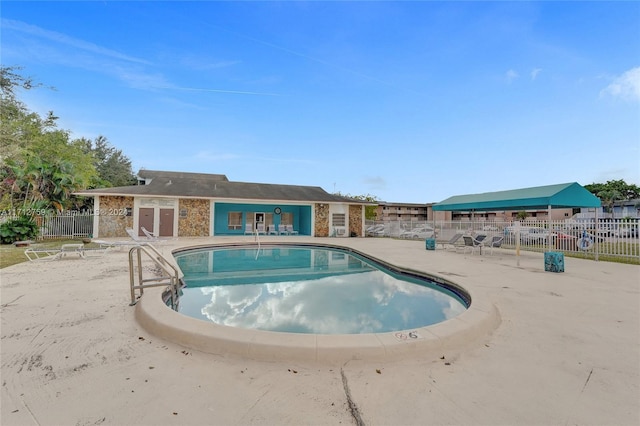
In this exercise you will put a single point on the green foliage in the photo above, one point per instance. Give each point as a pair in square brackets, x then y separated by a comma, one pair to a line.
[18, 229]
[369, 211]
[522, 215]
[618, 189]
[40, 164]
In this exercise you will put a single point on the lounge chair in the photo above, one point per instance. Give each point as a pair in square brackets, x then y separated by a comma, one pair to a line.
[149, 235]
[153, 237]
[495, 241]
[451, 244]
[135, 237]
[260, 228]
[58, 253]
[248, 229]
[282, 230]
[473, 243]
[291, 231]
[271, 230]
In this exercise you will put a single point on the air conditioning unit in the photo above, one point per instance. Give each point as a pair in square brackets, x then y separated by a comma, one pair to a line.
[340, 231]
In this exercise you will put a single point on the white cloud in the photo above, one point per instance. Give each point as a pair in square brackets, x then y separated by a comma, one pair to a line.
[62, 39]
[535, 72]
[625, 86]
[511, 75]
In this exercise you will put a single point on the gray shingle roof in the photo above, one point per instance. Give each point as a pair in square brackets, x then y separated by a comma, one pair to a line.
[198, 185]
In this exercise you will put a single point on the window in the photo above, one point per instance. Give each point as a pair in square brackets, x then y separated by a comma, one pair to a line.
[235, 220]
[339, 219]
[286, 218]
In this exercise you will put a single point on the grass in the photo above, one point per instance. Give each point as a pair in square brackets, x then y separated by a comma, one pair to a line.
[11, 255]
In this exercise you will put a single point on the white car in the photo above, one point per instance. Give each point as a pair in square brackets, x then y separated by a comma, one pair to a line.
[535, 235]
[375, 231]
[422, 232]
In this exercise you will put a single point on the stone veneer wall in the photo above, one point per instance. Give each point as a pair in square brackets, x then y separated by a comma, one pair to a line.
[112, 221]
[322, 220]
[197, 221]
[355, 220]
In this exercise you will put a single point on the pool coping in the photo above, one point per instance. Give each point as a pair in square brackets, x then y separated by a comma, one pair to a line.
[464, 330]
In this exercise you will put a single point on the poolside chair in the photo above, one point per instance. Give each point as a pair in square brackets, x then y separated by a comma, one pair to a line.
[149, 235]
[271, 230]
[451, 244]
[291, 231]
[282, 229]
[473, 243]
[64, 251]
[248, 229]
[495, 241]
[260, 228]
[140, 240]
[153, 237]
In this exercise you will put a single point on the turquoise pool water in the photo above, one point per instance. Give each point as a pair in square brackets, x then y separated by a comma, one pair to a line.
[315, 290]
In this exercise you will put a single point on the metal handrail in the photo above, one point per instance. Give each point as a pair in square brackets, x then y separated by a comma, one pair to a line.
[172, 278]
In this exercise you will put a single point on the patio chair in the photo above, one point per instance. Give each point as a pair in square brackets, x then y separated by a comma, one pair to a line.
[58, 253]
[248, 229]
[260, 228]
[282, 229]
[495, 241]
[452, 243]
[271, 230]
[291, 231]
[473, 243]
[135, 237]
[149, 235]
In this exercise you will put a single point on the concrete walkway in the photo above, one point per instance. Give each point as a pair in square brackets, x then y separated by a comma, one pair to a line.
[566, 352]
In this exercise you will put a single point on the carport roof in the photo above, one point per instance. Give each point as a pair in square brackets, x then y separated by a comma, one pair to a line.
[564, 195]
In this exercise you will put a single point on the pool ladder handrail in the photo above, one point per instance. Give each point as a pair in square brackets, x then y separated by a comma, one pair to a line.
[170, 277]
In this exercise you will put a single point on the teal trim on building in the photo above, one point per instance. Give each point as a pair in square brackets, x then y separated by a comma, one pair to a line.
[301, 216]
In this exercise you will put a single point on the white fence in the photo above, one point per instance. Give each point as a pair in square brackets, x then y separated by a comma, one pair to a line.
[61, 225]
[611, 238]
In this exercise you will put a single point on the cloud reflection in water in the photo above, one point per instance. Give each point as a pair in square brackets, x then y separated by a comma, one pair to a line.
[356, 302]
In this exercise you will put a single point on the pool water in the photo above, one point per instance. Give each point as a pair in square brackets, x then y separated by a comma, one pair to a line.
[308, 290]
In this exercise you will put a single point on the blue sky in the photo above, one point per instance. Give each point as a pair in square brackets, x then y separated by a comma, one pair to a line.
[406, 101]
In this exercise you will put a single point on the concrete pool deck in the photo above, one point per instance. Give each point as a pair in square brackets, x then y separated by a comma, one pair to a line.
[566, 351]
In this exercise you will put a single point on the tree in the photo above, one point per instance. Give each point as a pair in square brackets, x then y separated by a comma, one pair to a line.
[113, 167]
[39, 167]
[369, 211]
[626, 191]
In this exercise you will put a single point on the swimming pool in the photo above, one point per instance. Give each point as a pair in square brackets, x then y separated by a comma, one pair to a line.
[311, 290]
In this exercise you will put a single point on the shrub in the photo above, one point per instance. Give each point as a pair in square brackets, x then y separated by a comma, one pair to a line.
[19, 229]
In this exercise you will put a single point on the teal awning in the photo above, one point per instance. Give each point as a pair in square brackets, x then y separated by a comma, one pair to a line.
[565, 195]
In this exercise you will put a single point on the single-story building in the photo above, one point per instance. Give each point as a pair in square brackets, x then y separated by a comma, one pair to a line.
[177, 204]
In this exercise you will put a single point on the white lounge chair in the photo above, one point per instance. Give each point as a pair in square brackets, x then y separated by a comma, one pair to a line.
[282, 229]
[248, 229]
[271, 230]
[58, 253]
[291, 231]
[260, 228]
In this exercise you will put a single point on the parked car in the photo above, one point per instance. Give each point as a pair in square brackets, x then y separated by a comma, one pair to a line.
[626, 231]
[422, 232]
[375, 231]
[535, 235]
